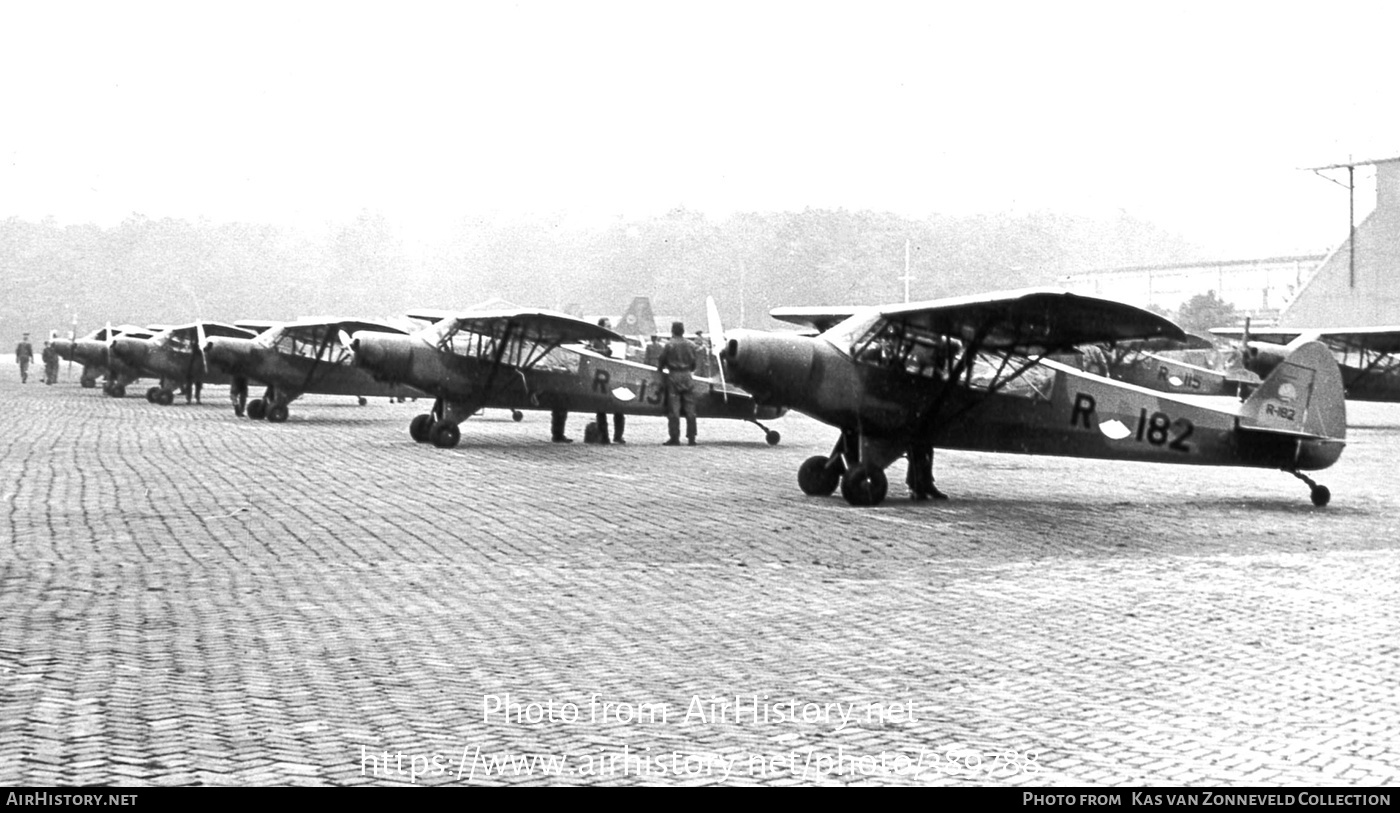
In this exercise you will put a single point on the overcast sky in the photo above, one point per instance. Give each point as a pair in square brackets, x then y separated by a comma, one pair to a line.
[1196, 116]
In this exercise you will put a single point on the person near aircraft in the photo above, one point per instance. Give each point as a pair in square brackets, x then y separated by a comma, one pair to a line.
[238, 394]
[24, 354]
[653, 351]
[557, 419]
[50, 357]
[677, 362]
[619, 421]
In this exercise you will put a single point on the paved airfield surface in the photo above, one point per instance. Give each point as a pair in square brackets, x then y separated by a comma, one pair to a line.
[188, 598]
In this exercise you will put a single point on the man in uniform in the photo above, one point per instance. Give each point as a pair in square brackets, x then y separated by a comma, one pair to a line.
[601, 347]
[50, 357]
[677, 363]
[24, 353]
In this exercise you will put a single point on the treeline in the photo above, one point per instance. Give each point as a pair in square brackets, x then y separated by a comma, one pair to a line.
[169, 270]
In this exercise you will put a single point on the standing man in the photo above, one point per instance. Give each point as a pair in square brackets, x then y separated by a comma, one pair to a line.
[24, 353]
[557, 419]
[677, 362]
[50, 357]
[602, 348]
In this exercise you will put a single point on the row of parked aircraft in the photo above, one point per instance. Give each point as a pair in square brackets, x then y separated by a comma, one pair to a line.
[1033, 372]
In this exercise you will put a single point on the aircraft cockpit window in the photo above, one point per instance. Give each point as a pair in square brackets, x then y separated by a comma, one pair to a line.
[508, 345]
[906, 348]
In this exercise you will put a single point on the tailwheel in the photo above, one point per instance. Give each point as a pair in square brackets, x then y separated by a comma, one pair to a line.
[363, 400]
[516, 415]
[864, 485]
[773, 436]
[819, 476]
[419, 427]
[277, 414]
[445, 434]
[152, 393]
[257, 409]
[1320, 494]
[164, 397]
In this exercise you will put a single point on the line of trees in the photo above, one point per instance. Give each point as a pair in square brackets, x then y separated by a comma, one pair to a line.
[170, 270]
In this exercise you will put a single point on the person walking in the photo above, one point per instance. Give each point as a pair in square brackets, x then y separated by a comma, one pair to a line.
[677, 363]
[602, 348]
[24, 354]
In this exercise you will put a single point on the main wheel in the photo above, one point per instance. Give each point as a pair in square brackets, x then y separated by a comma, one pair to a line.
[87, 383]
[1321, 495]
[864, 485]
[257, 409]
[152, 393]
[277, 414]
[445, 434]
[815, 478]
[164, 397]
[773, 437]
[420, 427]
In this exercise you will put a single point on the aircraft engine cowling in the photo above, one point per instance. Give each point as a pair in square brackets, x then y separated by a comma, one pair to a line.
[774, 368]
[130, 351]
[385, 355]
[231, 355]
[1261, 358]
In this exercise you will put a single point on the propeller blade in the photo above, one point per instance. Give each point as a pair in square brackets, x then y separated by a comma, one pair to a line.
[346, 339]
[200, 341]
[717, 342]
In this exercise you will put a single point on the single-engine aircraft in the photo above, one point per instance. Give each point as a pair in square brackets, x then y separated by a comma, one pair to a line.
[295, 358]
[176, 357]
[972, 373]
[91, 352]
[515, 359]
[1160, 363]
[1369, 357]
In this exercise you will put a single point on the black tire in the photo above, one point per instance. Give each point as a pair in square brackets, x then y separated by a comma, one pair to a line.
[1321, 495]
[864, 485]
[363, 400]
[87, 383]
[257, 409]
[164, 397]
[152, 393]
[119, 391]
[773, 437]
[277, 414]
[814, 478]
[516, 415]
[445, 434]
[420, 427]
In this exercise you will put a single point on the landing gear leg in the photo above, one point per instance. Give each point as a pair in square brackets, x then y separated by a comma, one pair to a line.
[770, 435]
[1321, 495]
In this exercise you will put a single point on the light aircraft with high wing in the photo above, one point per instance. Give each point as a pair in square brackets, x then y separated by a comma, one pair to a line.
[93, 352]
[973, 373]
[1369, 357]
[518, 359]
[299, 357]
[175, 356]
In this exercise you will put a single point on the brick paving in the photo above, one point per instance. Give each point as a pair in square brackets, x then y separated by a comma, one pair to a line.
[186, 598]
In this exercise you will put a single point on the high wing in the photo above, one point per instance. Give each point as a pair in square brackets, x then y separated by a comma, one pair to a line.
[543, 326]
[820, 319]
[1384, 340]
[316, 328]
[210, 329]
[1033, 322]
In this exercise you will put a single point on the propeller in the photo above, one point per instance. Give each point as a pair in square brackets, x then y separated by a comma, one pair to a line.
[717, 342]
[346, 339]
